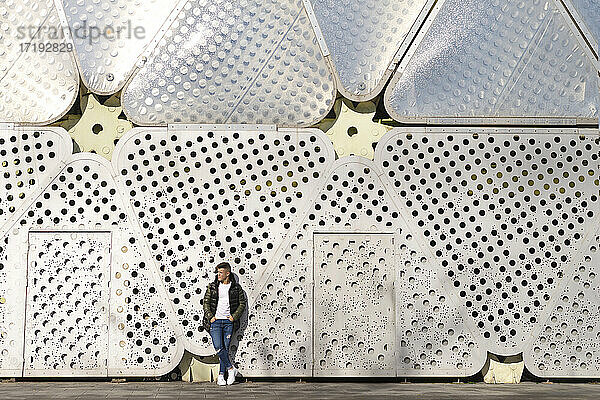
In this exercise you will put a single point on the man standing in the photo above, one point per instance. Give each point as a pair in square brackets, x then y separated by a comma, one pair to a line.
[222, 296]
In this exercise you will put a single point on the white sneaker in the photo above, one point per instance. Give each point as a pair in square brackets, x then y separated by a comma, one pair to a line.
[231, 377]
[221, 380]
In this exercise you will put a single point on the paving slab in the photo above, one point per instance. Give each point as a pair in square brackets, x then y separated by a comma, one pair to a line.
[283, 390]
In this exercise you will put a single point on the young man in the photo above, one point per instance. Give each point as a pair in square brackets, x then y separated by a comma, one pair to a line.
[224, 303]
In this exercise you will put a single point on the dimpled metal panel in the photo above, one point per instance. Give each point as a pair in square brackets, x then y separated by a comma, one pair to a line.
[67, 312]
[109, 36]
[505, 211]
[507, 60]
[589, 11]
[363, 38]
[206, 195]
[234, 61]
[38, 75]
[355, 335]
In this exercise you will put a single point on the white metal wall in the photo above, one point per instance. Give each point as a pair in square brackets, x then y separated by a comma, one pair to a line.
[485, 238]
[58, 318]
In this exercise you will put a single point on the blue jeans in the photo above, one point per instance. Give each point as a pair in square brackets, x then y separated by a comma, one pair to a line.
[220, 332]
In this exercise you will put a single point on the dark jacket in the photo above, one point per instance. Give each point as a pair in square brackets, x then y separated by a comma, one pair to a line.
[237, 302]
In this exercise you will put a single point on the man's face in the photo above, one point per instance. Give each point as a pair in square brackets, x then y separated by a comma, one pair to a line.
[222, 274]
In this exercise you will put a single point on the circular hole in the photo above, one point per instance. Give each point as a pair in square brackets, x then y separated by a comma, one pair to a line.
[97, 128]
[352, 131]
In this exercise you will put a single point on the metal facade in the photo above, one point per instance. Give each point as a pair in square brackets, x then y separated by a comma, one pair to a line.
[457, 241]
[454, 241]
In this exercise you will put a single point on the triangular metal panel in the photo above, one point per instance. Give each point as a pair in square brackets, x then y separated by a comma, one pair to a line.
[509, 62]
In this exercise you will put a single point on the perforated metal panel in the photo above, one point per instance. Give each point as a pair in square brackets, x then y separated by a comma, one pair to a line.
[190, 174]
[567, 344]
[109, 37]
[353, 198]
[507, 62]
[354, 313]
[28, 158]
[12, 307]
[365, 39]
[495, 245]
[38, 76]
[234, 61]
[143, 338]
[432, 337]
[66, 322]
[505, 211]
[205, 195]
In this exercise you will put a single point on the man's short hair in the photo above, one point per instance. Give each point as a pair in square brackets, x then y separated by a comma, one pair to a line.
[225, 265]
